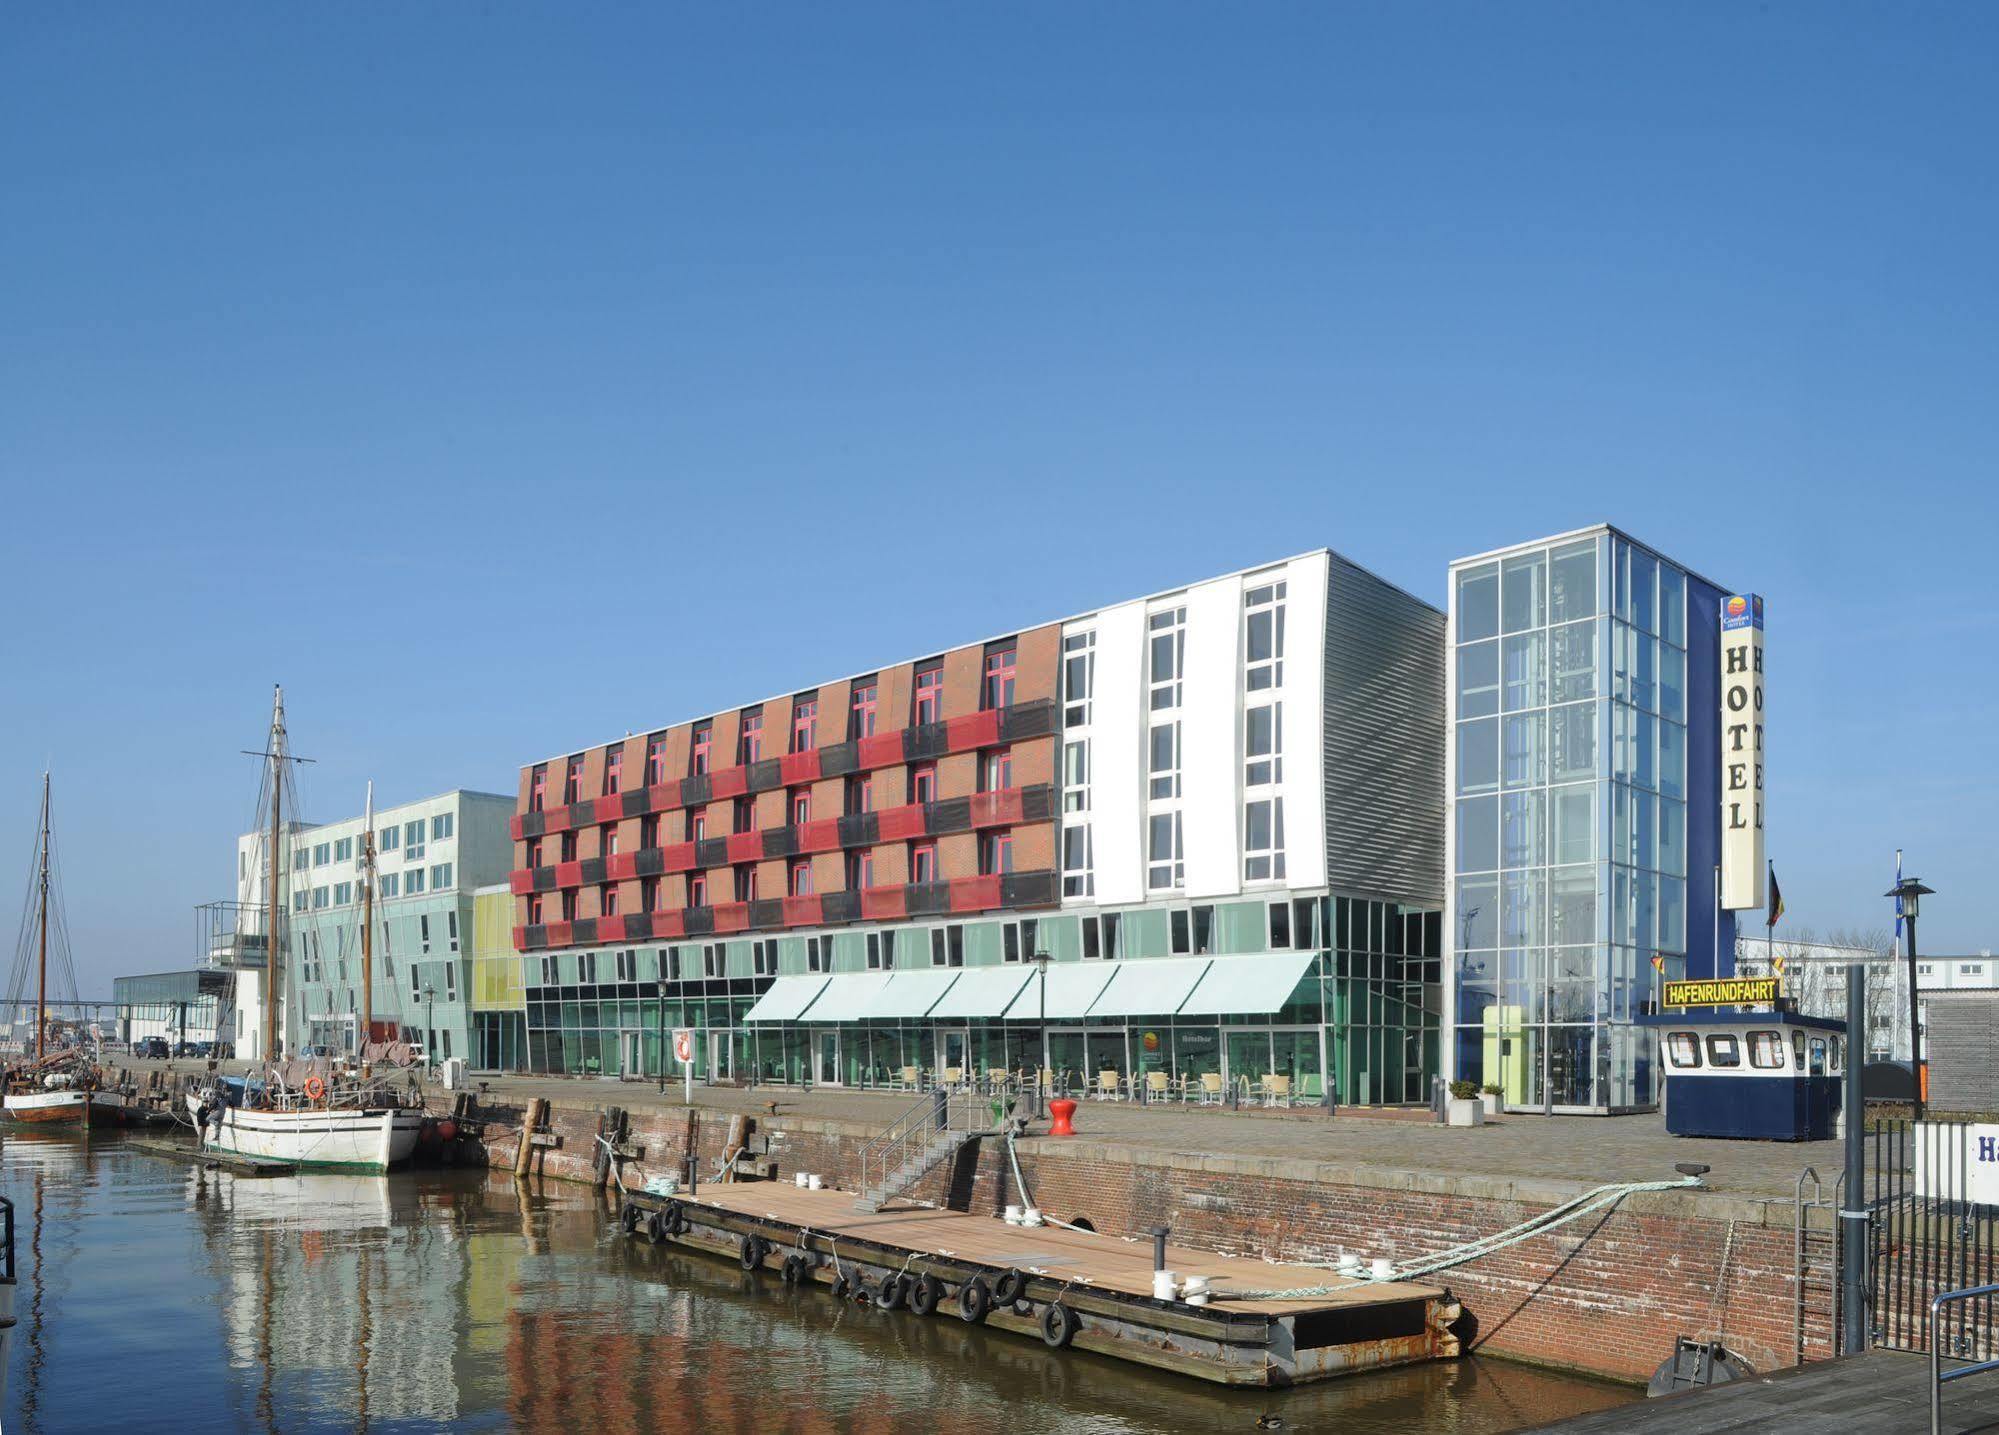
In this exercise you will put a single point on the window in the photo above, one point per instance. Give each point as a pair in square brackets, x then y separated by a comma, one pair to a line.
[299, 899]
[745, 884]
[1279, 931]
[343, 893]
[861, 710]
[1079, 674]
[416, 983]
[451, 930]
[537, 792]
[750, 743]
[1263, 840]
[440, 876]
[568, 905]
[996, 770]
[607, 900]
[1078, 868]
[1165, 763]
[1165, 861]
[441, 826]
[923, 862]
[655, 759]
[1076, 776]
[572, 779]
[859, 796]
[697, 890]
[1263, 638]
[534, 912]
[697, 758]
[1683, 1050]
[1019, 940]
[450, 983]
[389, 883]
[610, 841]
[1723, 1050]
[1816, 1066]
[548, 971]
[927, 705]
[743, 815]
[648, 894]
[1263, 745]
[995, 854]
[301, 859]
[798, 881]
[318, 898]
[649, 831]
[763, 958]
[860, 870]
[423, 932]
[923, 783]
[343, 850]
[533, 853]
[413, 840]
[801, 807]
[697, 827]
[322, 853]
[714, 961]
[566, 845]
[804, 714]
[998, 691]
[1766, 1050]
[947, 946]
[881, 951]
[586, 969]
[1166, 657]
[1102, 937]
[817, 952]
[389, 837]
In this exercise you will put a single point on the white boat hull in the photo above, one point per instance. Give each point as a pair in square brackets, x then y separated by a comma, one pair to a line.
[351, 1137]
[66, 1105]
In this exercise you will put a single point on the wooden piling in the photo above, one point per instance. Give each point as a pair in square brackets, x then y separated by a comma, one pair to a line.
[537, 1112]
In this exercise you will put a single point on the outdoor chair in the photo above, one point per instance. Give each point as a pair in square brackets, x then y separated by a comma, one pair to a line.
[1158, 1086]
[1211, 1088]
[1107, 1086]
[1276, 1090]
[910, 1079]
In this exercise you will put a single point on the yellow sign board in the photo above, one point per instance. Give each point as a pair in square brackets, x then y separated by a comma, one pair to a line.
[1725, 991]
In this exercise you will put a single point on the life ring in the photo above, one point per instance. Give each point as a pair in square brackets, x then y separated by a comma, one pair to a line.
[315, 1089]
[974, 1300]
[925, 1294]
[1010, 1288]
[1058, 1325]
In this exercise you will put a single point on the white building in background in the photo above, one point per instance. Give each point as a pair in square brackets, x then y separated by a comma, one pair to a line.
[1815, 976]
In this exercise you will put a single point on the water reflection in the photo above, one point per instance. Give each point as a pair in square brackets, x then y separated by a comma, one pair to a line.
[156, 1293]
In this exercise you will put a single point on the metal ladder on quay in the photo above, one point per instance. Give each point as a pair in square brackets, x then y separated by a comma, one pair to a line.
[917, 1142]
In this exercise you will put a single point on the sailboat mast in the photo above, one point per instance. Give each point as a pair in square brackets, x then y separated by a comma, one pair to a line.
[42, 936]
[271, 955]
[367, 930]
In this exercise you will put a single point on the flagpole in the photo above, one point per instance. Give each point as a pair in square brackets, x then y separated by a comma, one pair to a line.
[1715, 969]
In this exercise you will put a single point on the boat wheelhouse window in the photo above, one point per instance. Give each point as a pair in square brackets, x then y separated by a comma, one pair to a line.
[1766, 1050]
[1798, 1050]
[1683, 1049]
[1723, 1049]
[1818, 1056]
[1838, 1054]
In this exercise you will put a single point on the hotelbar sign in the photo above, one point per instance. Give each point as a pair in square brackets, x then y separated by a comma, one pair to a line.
[1743, 865]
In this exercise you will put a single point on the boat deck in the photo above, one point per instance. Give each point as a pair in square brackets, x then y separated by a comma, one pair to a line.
[1344, 1325]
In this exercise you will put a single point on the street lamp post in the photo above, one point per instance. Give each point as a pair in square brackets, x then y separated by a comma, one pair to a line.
[1910, 890]
[1041, 959]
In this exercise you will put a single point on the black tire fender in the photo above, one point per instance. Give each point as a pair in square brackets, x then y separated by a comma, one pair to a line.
[676, 1219]
[1010, 1287]
[974, 1301]
[629, 1218]
[751, 1253]
[793, 1270]
[1058, 1325]
[926, 1292]
[655, 1228]
[894, 1290]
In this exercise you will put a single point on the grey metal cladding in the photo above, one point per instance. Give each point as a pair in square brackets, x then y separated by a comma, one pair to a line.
[1960, 1029]
[1385, 732]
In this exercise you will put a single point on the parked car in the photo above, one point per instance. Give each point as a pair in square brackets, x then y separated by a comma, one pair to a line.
[153, 1047]
[190, 1048]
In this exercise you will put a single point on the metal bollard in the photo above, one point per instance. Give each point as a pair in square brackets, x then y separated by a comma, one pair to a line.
[1159, 1247]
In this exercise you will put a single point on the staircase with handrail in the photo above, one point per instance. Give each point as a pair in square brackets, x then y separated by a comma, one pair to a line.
[917, 1142]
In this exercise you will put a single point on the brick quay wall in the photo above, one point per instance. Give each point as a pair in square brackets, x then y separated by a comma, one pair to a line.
[1606, 1295]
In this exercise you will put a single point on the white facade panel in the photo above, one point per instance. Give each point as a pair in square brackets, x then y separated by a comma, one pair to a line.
[1304, 784]
[1211, 746]
[1117, 786]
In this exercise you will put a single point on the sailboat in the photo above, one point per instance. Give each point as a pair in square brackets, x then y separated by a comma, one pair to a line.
[305, 1113]
[61, 1085]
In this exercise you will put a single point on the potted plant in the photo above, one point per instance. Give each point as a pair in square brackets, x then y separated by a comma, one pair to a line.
[1464, 1107]
[1492, 1092]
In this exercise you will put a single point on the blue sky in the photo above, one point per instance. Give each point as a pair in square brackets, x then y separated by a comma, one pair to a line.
[502, 378]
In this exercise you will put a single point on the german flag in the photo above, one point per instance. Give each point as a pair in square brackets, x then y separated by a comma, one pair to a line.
[1659, 963]
[1776, 899]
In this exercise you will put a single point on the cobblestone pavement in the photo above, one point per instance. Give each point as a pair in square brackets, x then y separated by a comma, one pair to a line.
[1587, 1149]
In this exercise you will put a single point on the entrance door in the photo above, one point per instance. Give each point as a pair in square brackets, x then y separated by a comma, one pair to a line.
[1107, 1054]
[631, 1054]
[718, 1056]
[1068, 1057]
[954, 1048]
[826, 1058]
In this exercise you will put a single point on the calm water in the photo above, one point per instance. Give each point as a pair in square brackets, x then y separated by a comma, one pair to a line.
[157, 1296]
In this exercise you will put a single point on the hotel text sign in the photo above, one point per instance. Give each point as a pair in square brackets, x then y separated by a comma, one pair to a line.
[1742, 855]
[1727, 991]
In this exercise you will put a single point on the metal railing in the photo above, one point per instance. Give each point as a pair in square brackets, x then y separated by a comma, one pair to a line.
[916, 1140]
[1938, 1375]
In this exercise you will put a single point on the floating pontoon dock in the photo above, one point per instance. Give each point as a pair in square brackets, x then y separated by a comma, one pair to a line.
[1089, 1290]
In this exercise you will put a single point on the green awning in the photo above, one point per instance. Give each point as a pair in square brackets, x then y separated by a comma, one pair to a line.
[846, 998]
[785, 998]
[1150, 987]
[982, 992]
[911, 994]
[1247, 986]
[1072, 986]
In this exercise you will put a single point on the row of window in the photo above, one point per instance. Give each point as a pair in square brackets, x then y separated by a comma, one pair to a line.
[309, 948]
[407, 836]
[1814, 1056]
[997, 688]
[1549, 587]
[387, 884]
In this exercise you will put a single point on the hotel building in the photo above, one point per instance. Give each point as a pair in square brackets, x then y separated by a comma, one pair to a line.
[1218, 810]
